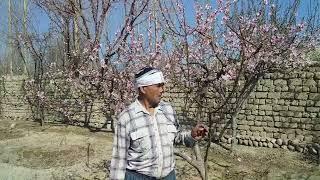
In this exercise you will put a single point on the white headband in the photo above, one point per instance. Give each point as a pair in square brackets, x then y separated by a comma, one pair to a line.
[150, 78]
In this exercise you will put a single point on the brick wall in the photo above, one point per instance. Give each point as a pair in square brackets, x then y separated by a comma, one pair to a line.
[284, 110]
[12, 103]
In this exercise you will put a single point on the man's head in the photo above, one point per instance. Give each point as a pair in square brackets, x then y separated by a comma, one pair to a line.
[150, 84]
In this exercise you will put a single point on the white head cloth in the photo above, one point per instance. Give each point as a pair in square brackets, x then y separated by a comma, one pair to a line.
[152, 77]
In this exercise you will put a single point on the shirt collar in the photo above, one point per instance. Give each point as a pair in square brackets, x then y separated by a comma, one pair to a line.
[138, 107]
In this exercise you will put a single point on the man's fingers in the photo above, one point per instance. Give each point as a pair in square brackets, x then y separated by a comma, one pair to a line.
[200, 130]
[202, 127]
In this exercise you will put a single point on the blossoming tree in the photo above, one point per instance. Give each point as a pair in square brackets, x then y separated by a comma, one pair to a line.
[98, 65]
[217, 59]
[87, 73]
[226, 51]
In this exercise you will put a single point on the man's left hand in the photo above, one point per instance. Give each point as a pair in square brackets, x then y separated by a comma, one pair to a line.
[199, 131]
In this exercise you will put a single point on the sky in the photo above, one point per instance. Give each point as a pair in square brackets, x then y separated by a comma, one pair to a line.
[41, 22]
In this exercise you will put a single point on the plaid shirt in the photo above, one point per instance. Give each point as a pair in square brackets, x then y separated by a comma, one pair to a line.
[144, 143]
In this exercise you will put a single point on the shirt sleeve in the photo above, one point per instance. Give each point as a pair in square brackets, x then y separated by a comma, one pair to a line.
[183, 137]
[119, 153]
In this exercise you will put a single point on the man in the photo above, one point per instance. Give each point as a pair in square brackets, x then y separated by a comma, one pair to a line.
[146, 131]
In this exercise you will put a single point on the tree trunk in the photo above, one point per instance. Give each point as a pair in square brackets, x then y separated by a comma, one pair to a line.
[234, 132]
[196, 162]
[201, 165]
[88, 112]
[76, 59]
[10, 37]
[66, 36]
[25, 52]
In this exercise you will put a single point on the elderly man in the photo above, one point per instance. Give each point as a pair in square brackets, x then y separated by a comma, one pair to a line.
[146, 131]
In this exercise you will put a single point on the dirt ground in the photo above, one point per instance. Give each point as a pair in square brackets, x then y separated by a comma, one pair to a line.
[28, 151]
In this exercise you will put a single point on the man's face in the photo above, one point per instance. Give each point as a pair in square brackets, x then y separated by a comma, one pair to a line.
[153, 93]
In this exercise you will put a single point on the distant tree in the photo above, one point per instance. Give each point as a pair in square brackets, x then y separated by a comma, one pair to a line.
[10, 54]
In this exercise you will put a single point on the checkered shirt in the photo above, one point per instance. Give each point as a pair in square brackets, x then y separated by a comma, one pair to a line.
[136, 141]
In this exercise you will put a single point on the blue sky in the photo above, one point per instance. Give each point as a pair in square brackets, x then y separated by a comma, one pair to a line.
[41, 21]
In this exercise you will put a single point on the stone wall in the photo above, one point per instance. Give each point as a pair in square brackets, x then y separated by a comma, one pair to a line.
[12, 103]
[283, 111]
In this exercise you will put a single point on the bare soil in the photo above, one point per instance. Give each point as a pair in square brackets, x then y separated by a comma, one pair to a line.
[55, 151]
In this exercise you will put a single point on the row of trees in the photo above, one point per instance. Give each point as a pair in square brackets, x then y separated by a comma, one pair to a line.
[215, 54]
[11, 61]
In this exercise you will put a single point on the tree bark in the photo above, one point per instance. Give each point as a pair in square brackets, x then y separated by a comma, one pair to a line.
[196, 162]
[10, 37]
[25, 52]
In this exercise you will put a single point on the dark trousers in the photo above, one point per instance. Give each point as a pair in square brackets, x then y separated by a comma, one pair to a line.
[133, 175]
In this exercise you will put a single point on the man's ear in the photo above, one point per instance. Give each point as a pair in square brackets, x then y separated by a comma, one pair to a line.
[141, 89]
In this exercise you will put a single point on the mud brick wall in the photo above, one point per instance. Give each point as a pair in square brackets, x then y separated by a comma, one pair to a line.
[14, 106]
[282, 112]
[12, 102]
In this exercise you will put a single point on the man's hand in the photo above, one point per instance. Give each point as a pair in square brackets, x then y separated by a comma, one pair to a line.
[199, 132]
